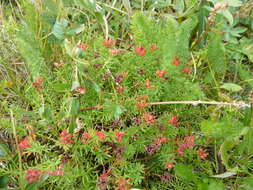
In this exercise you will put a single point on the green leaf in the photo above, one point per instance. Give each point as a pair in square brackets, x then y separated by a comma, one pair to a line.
[216, 186]
[3, 151]
[234, 3]
[231, 87]
[221, 129]
[75, 30]
[75, 106]
[4, 181]
[215, 53]
[114, 110]
[227, 14]
[185, 172]
[59, 29]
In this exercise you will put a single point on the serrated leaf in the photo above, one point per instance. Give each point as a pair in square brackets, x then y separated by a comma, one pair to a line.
[215, 53]
[224, 175]
[59, 29]
[231, 87]
[227, 14]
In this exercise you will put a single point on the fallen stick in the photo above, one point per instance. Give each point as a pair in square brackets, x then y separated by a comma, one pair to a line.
[194, 103]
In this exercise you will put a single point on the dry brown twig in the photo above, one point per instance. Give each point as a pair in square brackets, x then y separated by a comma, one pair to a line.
[194, 103]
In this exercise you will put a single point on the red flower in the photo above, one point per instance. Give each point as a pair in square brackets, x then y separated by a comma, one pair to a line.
[176, 61]
[83, 46]
[100, 135]
[80, 90]
[56, 172]
[33, 175]
[109, 42]
[186, 70]
[161, 73]
[119, 89]
[189, 141]
[202, 153]
[169, 165]
[119, 136]
[86, 137]
[115, 51]
[148, 83]
[142, 102]
[148, 118]
[173, 120]
[140, 50]
[65, 137]
[24, 143]
[161, 140]
[153, 47]
[37, 83]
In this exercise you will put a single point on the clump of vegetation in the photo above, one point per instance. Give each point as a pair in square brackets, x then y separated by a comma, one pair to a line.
[126, 94]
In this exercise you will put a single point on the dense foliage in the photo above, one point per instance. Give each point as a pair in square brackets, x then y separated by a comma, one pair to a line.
[150, 94]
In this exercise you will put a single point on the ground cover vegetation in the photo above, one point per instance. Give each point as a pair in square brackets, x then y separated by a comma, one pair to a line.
[111, 94]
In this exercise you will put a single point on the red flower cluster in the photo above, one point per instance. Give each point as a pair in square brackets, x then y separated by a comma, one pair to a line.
[33, 175]
[142, 102]
[80, 90]
[148, 118]
[83, 46]
[186, 70]
[115, 51]
[38, 83]
[169, 165]
[153, 47]
[56, 173]
[86, 137]
[161, 73]
[24, 143]
[140, 50]
[100, 135]
[202, 153]
[109, 42]
[65, 137]
[173, 120]
[161, 140]
[119, 89]
[187, 144]
[176, 62]
[148, 83]
[119, 136]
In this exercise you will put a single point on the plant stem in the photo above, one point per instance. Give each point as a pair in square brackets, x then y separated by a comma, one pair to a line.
[19, 153]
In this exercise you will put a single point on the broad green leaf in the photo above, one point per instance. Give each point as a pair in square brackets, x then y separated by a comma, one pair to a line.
[221, 129]
[4, 179]
[75, 30]
[59, 29]
[185, 172]
[233, 3]
[231, 87]
[216, 186]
